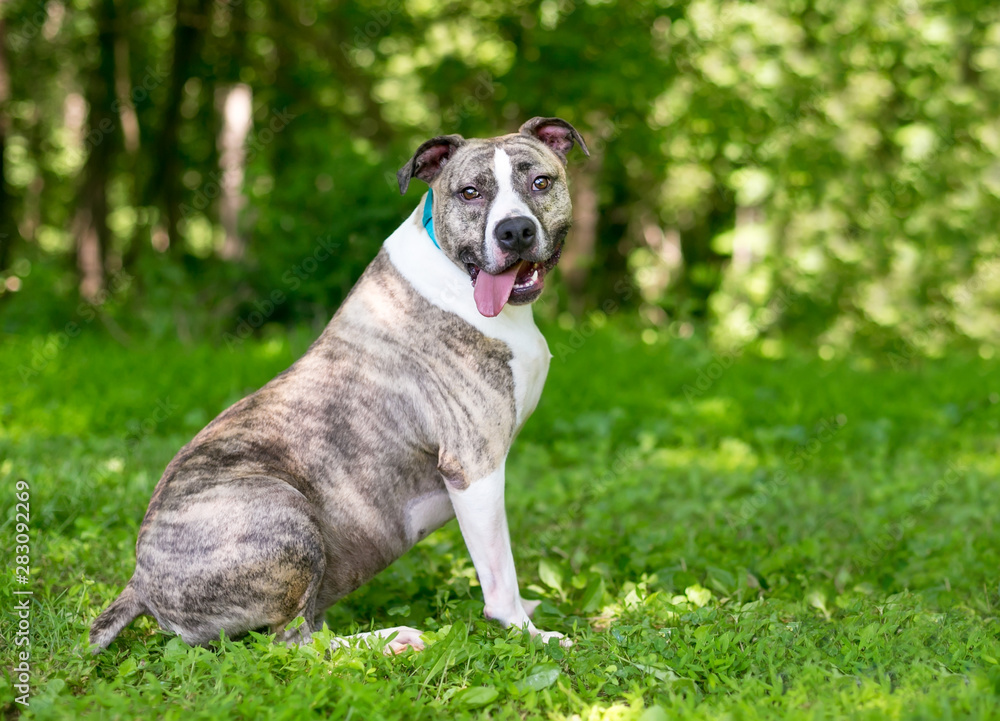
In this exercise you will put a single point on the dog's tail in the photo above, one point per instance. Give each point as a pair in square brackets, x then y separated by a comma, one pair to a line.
[116, 617]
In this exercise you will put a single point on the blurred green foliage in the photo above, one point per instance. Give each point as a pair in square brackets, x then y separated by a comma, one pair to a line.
[787, 170]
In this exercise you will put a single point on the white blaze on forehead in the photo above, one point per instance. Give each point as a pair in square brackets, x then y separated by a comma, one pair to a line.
[507, 197]
[507, 203]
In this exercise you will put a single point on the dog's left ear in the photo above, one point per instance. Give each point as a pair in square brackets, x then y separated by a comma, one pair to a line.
[556, 133]
[427, 162]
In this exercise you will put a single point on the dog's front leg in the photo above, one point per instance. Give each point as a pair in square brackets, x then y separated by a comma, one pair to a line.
[482, 517]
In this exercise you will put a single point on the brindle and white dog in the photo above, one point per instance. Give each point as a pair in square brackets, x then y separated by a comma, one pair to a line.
[399, 417]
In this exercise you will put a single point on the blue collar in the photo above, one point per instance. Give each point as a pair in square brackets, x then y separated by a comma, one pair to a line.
[429, 217]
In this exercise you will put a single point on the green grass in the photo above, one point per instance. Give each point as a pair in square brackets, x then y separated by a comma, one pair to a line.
[795, 539]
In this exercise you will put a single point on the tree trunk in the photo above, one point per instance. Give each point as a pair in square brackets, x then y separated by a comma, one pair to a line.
[165, 180]
[744, 254]
[91, 223]
[123, 88]
[8, 231]
[578, 254]
[334, 43]
[235, 106]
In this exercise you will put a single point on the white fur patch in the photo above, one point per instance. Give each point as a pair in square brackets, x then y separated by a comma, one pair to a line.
[507, 203]
[427, 513]
[483, 520]
[441, 282]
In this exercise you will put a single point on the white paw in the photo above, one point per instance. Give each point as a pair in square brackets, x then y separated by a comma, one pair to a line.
[402, 637]
[523, 622]
[405, 638]
[546, 636]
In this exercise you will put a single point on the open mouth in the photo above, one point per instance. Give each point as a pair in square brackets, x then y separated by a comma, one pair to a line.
[522, 282]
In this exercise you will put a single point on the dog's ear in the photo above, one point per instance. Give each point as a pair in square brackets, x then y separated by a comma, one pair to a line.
[556, 133]
[427, 162]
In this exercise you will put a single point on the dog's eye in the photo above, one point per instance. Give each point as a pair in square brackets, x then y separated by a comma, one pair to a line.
[470, 193]
[541, 182]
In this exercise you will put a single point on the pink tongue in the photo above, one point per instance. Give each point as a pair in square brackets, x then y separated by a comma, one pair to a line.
[492, 291]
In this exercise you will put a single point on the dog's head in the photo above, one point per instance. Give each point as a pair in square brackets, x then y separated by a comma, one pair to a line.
[501, 206]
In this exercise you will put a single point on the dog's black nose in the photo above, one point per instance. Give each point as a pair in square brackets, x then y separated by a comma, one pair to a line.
[515, 234]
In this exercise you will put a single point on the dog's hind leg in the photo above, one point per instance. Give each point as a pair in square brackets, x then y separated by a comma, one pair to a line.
[306, 608]
[233, 556]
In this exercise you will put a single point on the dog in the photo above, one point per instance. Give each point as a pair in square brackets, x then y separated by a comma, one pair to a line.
[397, 419]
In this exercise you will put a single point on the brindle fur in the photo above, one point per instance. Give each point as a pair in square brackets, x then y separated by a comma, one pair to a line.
[298, 494]
[317, 467]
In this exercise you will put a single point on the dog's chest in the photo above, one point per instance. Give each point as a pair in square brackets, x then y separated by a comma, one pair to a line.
[441, 283]
[529, 366]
